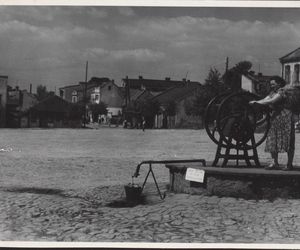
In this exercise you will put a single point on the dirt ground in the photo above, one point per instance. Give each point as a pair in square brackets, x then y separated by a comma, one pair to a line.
[86, 158]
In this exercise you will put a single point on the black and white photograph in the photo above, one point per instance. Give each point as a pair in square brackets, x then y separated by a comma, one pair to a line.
[145, 125]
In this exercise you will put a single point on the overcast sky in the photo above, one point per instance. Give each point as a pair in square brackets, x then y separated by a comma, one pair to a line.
[50, 45]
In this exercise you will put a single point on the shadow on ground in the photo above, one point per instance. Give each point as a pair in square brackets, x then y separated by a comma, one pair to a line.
[34, 190]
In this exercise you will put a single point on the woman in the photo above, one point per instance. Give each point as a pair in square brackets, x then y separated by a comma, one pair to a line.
[281, 136]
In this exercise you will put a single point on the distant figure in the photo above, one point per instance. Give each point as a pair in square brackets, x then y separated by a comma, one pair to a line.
[143, 123]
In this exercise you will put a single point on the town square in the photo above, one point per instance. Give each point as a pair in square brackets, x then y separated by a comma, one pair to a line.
[150, 124]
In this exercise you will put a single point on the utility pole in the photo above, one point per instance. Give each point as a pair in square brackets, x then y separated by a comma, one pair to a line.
[84, 96]
[186, 75]
[226, 66]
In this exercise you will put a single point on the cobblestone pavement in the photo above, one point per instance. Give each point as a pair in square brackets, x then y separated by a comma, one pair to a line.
[49, 191]
[55, 215]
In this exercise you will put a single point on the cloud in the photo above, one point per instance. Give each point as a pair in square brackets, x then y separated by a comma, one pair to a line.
[119, 41]
[197, 39]
[141, 55]
[126, 11]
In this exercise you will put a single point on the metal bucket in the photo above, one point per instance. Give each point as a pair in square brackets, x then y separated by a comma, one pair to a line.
[133, 192]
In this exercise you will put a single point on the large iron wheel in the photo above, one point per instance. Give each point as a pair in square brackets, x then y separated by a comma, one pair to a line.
[237, 121]
[210, 117]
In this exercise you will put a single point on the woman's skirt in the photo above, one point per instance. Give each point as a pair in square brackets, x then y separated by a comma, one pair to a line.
[280, 133]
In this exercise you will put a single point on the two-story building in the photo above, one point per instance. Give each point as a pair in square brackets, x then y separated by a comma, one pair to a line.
[96, 90]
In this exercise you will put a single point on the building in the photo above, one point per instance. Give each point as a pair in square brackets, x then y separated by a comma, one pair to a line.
[75, 93]
[18, 104]
[256, 83]
[52, 112]
[173, 107]
[152, 85]
[290, 64]
[96, 90]
[3, 100]
[132, 112]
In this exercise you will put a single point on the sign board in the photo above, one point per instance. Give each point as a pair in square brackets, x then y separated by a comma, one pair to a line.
[196, 175]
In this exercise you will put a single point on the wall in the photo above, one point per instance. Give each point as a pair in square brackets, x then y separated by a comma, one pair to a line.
[111, 96]
[28, 100]
[247, 84]
[67, 93]
[182, 120]
[292, 75]
[114, 111]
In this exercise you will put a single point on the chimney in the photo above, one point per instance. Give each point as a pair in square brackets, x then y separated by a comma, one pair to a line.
[17, 88]
[168, 78]
[30, 88]
[259, 74]
[140, 77]
[184, 79]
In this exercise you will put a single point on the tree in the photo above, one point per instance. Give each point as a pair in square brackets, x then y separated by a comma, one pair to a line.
[243, 67]
[41, 92]
[98, 109]
[214, 82]
[213, 86]
[76, 112]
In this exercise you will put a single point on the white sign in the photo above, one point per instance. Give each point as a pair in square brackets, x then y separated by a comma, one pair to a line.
[196, 175]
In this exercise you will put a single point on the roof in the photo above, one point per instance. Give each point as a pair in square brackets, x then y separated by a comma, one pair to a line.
[135, 93]
[52, 103]
[29, 94]
[99, 80]
[293, 56]
[176, 94]
[153, 84]
[259, 78]
[93, 82]
[145, 95]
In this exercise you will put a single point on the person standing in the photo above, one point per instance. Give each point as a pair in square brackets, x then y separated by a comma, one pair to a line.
[281, 136]
[143, 123]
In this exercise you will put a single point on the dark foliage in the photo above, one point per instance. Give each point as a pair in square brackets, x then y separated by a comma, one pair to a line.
[232, 78]
[148, 110]
[41, 92]
[213, 86]
[98, 109]
[76, 112]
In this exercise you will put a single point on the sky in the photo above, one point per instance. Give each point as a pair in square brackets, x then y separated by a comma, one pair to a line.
[50, 45]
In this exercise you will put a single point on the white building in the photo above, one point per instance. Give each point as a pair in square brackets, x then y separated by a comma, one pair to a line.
[290, 64]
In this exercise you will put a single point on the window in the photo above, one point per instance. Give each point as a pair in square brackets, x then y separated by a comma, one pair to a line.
[74, 96]
[287, 73]
[109, 87]
[296, 72]
[74, 99]
[96, 97]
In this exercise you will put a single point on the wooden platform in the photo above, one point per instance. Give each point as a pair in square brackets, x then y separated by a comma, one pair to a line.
[244, 182]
